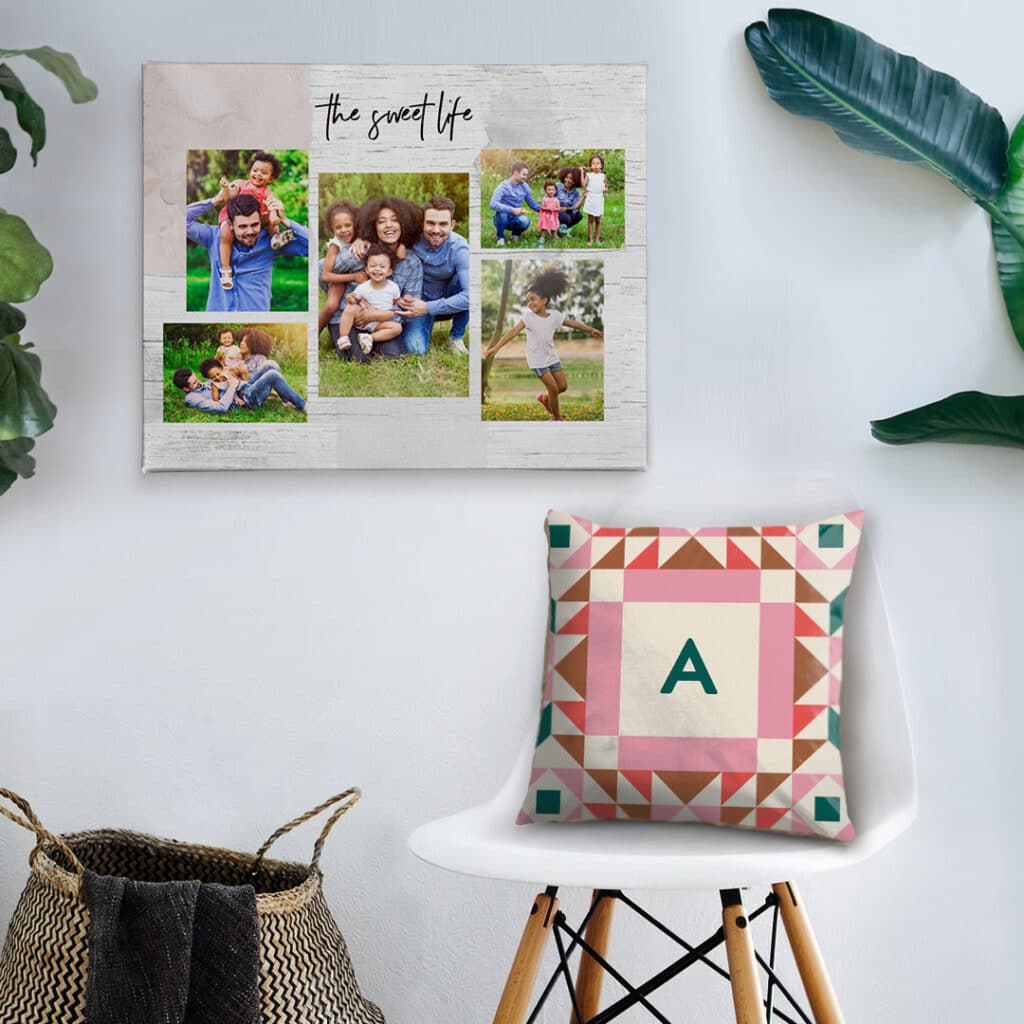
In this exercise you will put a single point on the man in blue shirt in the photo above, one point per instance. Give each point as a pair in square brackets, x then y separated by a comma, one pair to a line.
[252, 257]
[253, 392]
[507, 203]
[445, 259]
[569, 202]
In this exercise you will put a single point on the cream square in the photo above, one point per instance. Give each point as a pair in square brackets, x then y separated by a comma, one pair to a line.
[727, 638]
[601, 752]
[778, 586]
[606, 584]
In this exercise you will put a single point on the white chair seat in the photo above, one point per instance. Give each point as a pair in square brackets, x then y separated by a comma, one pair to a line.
[877, 761]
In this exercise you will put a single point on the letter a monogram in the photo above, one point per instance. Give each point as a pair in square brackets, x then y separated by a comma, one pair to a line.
[681, 674]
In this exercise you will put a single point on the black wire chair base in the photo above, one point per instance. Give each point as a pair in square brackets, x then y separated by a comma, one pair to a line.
[568, 940]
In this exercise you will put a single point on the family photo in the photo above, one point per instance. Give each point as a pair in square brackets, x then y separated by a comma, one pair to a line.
[543, 339]
[394, 285]
[235, 373]
[553, 198]
[246, 225]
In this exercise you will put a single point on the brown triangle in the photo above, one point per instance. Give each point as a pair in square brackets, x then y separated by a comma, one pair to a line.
[771, 559]
[807, 670]
[686, 785]
[573, 668]
[768, 782]
[805, 749]
[574, 745]
[615, 559]
[638, 812]
[806, 594]
[607, 779]
[734, 815]
[644, 531]
[693, 555]
[579, 591]
[741, 531]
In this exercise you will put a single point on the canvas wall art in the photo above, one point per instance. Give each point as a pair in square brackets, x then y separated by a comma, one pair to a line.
[394, 267]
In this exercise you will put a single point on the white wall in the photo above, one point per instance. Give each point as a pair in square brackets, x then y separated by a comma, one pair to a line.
[373, 629]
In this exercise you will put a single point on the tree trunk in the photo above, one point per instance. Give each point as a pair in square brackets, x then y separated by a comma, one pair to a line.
[499, 323]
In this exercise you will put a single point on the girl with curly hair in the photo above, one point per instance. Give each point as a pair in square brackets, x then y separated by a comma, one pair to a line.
[540, 323]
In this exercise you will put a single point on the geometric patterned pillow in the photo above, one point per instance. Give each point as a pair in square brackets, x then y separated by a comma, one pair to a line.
[694, 675]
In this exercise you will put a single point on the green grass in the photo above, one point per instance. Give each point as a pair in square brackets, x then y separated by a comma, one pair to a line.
[440, 373]
[272, 411]
[289, 283]
[613, 223]
[514, 388]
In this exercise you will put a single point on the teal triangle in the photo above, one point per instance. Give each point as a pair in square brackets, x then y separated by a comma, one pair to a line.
[833, 727]
[835, 611]
[545, 724]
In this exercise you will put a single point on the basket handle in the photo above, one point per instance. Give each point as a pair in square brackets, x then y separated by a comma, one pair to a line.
[346, 802]
[33, 824]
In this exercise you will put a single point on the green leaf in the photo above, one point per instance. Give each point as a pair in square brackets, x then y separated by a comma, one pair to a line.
[64, 66]
[878, 100]
[25, 408]
[1007, 215]
[8, 154]
[969, 417]
[12, 320]
[15, 461]
[26, 263]
[30, 114]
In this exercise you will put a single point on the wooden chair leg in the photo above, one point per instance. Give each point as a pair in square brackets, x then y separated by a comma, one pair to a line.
[590, 976]
[739, 948]
[515, 999]
[809, 961]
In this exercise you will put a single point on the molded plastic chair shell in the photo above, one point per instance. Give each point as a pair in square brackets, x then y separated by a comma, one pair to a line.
[878, 762]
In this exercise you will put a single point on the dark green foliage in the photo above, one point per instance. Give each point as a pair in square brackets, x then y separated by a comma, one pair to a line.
[969, 417]
[1007, 216]
[582, 301]
[25, 408]
[418, 188]
[878, 100]
[546, 163]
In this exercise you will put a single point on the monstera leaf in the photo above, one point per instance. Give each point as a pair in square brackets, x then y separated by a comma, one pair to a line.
[26, 264]
[25, 408]
[880, 101]
[969, 417]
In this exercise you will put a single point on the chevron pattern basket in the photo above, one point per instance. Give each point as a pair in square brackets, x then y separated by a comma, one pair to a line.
[306, 975]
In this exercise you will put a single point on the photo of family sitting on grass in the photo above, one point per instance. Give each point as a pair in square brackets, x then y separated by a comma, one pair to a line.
[543, 328]
[235, 373]
[394, 285]
[553, 198]
[246, 226]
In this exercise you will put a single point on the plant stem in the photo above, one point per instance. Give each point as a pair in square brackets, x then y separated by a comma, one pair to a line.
[997, 215]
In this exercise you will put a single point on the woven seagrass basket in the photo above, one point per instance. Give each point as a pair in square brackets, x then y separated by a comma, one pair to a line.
[306, 975]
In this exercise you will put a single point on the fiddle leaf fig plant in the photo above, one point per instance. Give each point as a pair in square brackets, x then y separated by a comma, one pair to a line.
[892, 105]
[25, 409]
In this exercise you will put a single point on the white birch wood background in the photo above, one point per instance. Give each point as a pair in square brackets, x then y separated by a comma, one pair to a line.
[207, 106]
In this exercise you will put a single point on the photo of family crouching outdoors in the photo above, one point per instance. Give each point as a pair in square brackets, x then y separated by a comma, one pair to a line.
[394, 285]
[234, 373]
[553, 198]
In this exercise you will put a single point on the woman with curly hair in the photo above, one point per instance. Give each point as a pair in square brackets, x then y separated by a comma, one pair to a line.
[396, 224]
[540, 323]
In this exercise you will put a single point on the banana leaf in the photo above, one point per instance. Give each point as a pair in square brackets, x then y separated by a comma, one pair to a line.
[1007, 215]
[880, 101]
[969, 417]
[25, 408]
